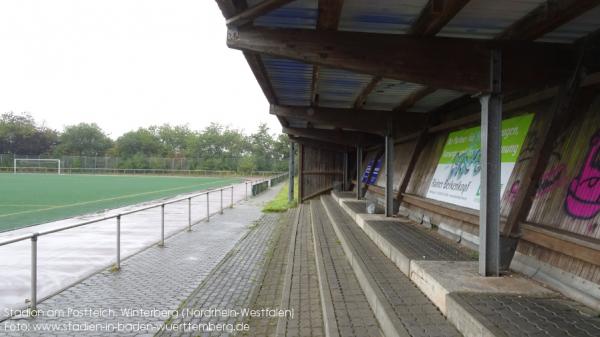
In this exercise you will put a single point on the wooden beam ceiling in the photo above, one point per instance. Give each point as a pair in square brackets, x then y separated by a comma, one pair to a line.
[361, 99]
[542, 20]
[546, 18]
[435, 15]
[328, 19]
[248, 15]
[348, 138]
[329, 14]
[371, 121]
[413, 98]
[453, 63]
[230, 8]
[319, 144]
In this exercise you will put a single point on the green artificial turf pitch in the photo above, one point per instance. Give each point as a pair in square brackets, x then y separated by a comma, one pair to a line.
[27, 199]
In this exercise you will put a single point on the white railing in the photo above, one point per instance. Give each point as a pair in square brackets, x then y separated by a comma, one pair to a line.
[33, 237]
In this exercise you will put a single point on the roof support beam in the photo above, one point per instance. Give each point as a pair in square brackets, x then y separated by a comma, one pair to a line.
[452, 63]
[413, 98]
[329, 19]
[319, 144]
[546, 18]
[371, 121]
[258, 69]
[435, 15]
[252, 13]
[329, 14]
[348, 138]
[361, 99]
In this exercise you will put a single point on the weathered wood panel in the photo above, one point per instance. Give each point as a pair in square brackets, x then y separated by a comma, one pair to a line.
[322, 170]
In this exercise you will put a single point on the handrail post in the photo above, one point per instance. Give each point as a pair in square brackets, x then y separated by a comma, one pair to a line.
[207, 207]
[189, 214]
[221, 201]
[231, 206]
[119, 242]
[33, 301]
[162, 225]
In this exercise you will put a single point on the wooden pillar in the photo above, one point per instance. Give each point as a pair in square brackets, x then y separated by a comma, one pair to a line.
[412, 163]
[491, 136]
[560, 119]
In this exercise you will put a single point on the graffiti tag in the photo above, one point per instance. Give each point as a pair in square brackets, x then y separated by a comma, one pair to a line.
[583, 195]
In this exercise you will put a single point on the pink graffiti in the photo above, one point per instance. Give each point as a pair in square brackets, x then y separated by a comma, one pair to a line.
[552, 179]
[583, 196]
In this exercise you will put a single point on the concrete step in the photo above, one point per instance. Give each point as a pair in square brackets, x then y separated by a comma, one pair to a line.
[346, 311]
[511, 305]
[399, 306]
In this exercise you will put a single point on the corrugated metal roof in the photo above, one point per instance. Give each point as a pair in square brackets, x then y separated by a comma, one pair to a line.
[296, 14]
[383, 16]
[290, 79]
[484, 19]
[435, 99]
[389, 93]
[339, 88]
[576, 28]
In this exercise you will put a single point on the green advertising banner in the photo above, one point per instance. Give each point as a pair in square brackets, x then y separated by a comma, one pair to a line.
[457, 177]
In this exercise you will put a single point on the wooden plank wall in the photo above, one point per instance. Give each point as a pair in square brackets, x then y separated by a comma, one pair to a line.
[563, 226]
[321, 170]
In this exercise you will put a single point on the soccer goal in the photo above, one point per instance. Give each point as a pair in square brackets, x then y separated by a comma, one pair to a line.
[36, 165]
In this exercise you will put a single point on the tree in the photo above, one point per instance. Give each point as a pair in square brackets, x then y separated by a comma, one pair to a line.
[19, 134]
[84, 140]
[262, 148]
[175, 139]
[142, 142]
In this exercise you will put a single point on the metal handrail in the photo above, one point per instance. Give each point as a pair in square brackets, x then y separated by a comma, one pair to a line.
[34, 236]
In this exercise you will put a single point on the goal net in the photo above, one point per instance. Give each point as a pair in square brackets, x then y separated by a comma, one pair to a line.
[36, 165]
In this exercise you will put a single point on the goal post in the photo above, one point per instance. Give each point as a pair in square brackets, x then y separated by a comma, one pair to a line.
[18, 160]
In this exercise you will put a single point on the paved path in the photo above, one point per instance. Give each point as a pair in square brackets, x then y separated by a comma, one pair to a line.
[230, 286]
[157, 278]
[67, 257]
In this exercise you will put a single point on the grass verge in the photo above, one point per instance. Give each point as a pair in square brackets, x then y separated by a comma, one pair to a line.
[280, 202]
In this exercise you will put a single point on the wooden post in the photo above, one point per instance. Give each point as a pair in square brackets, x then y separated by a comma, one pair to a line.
[561, 116]
[412, 163]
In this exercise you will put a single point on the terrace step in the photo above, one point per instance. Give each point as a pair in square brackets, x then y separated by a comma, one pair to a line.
[400, 307]
[346, 311]
[477, 306]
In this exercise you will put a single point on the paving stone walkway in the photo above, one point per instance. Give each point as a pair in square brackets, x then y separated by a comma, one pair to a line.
[270, 290]
[229, 288]
[137, 299]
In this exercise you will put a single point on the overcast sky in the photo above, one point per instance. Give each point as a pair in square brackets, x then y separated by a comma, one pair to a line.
[125, 64]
